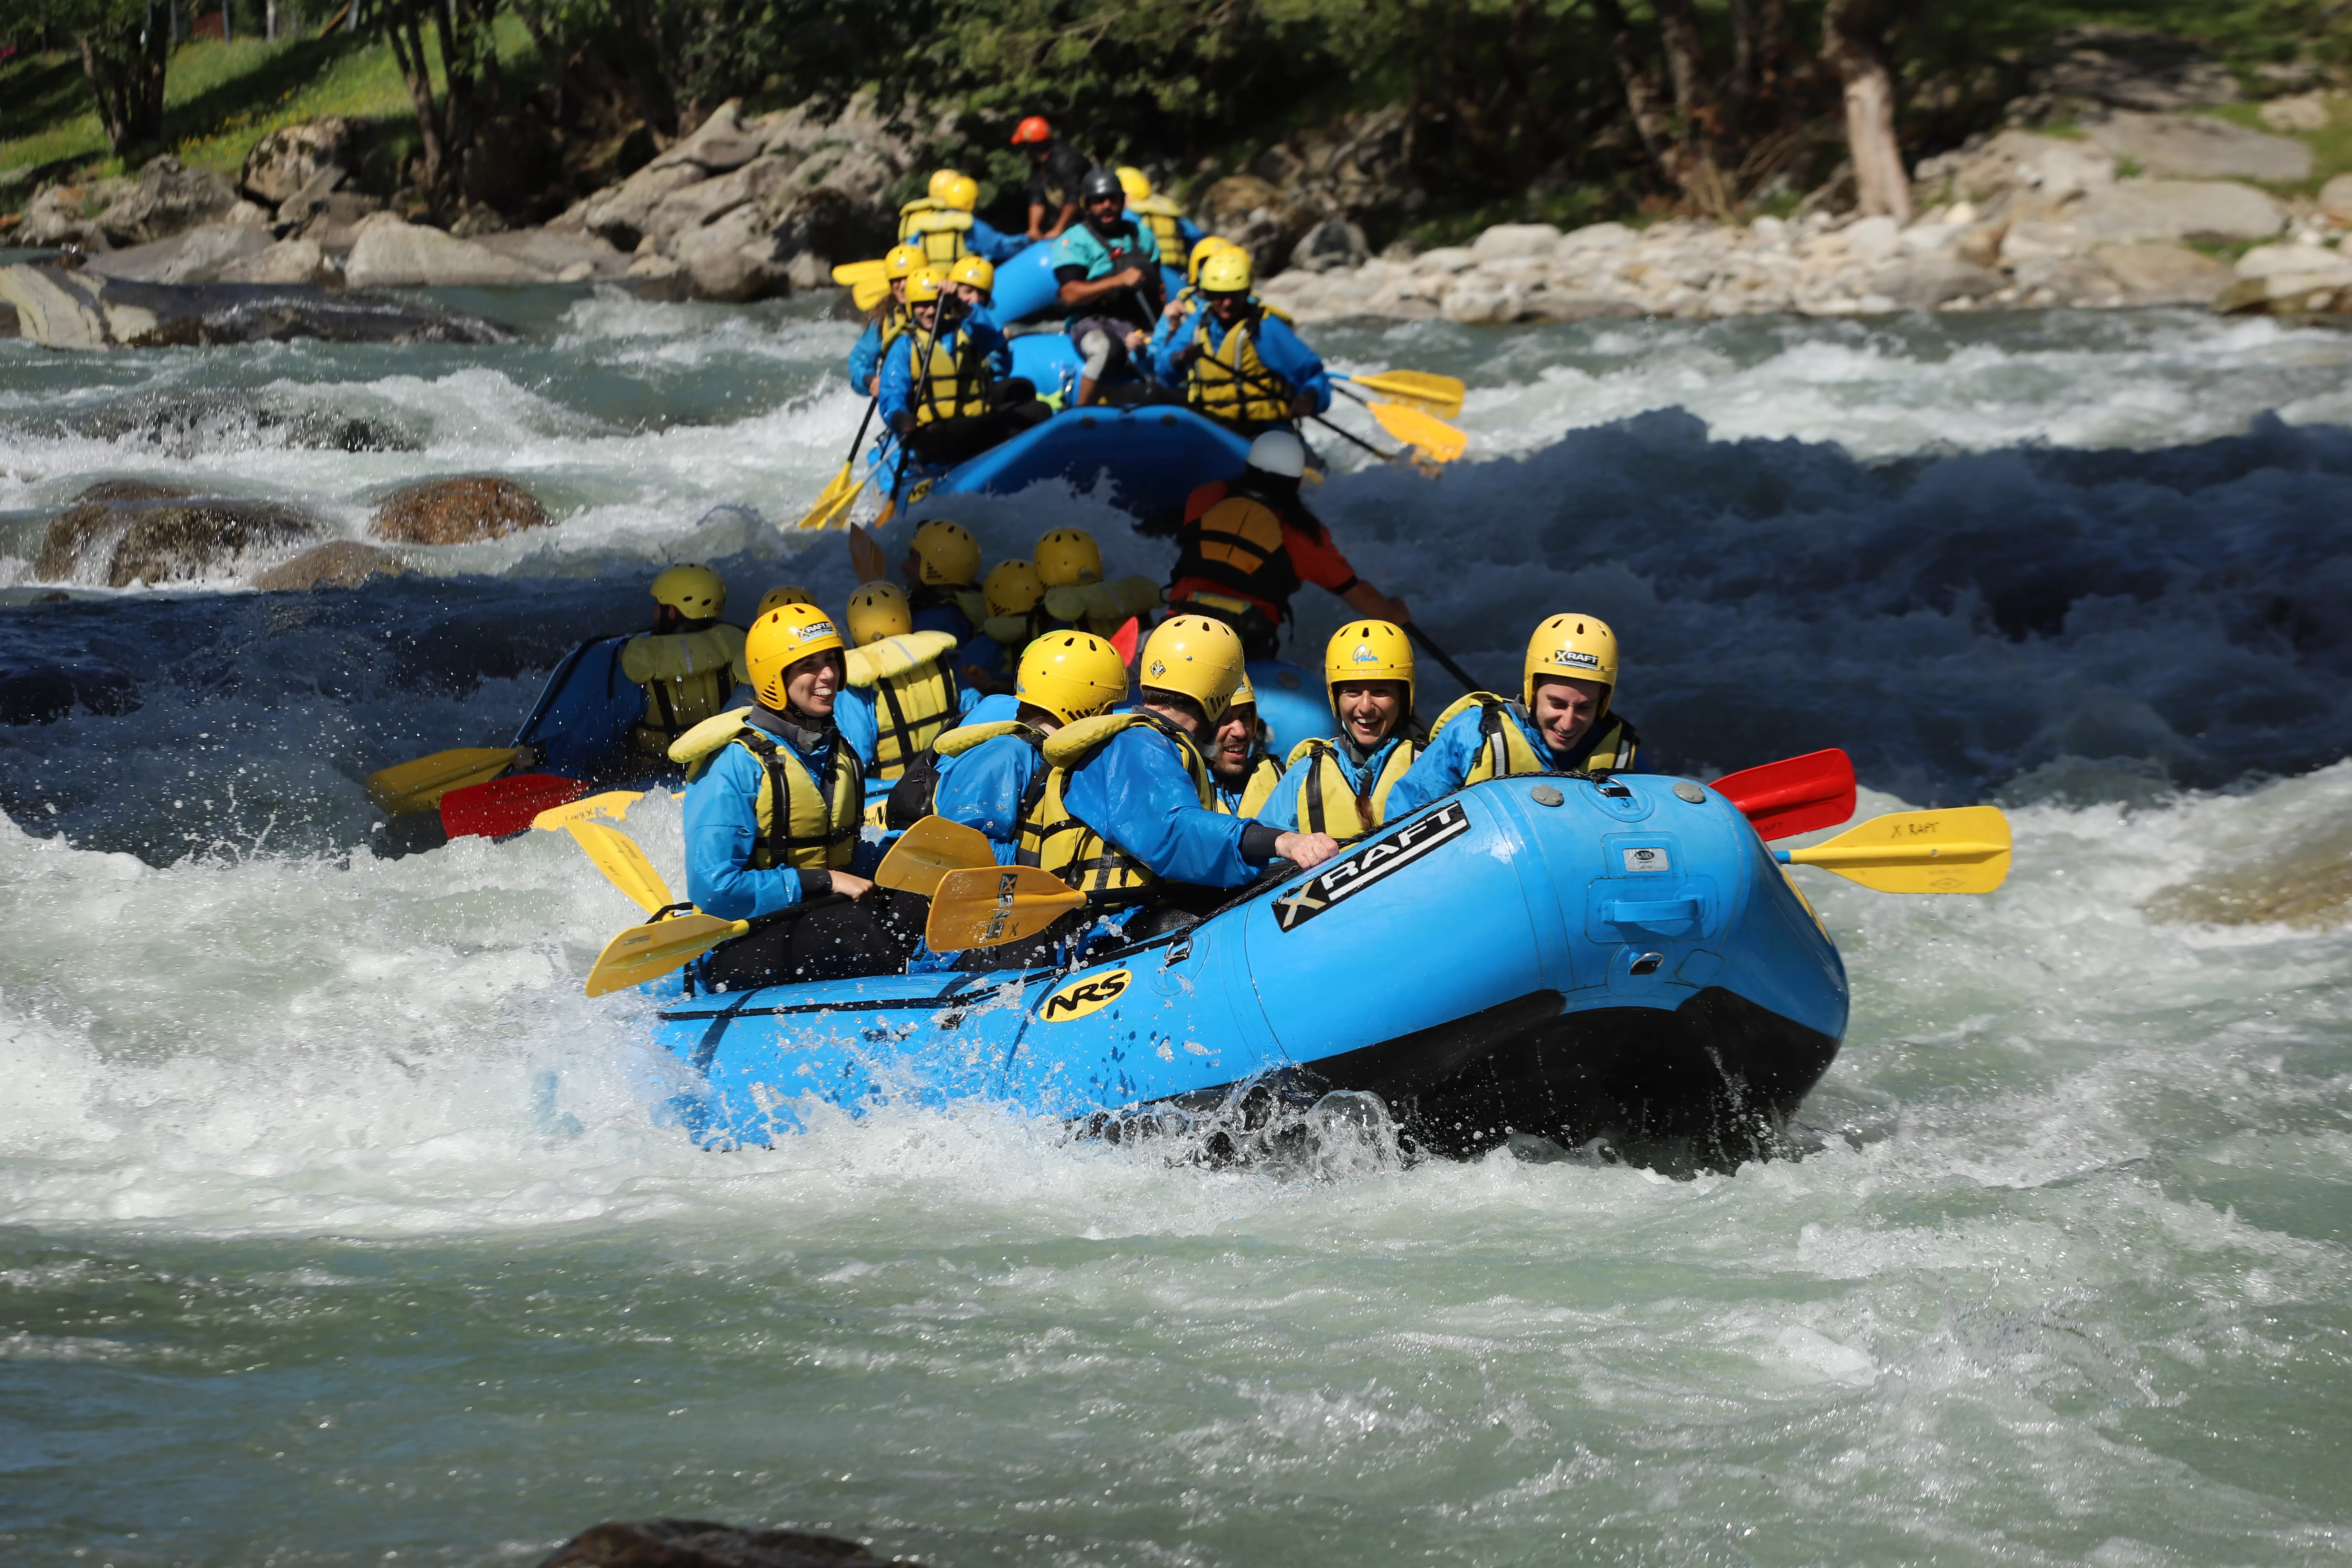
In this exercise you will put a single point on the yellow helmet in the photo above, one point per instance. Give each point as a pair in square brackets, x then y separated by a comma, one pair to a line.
[1196, 656]
[1013, 589]
[1226, 272]
[1067, 557]
[923, 285]
[976, 270]
[941, 179]
[1244, 695]
[779, 639]
[945, 553]
[1209, 245]
[878, 610]
[1368, 650]
[1579, 648]
[695, 591]
[783, 593]
[1070, 675]
[1134, 182]
[902, 261]
[960, 193]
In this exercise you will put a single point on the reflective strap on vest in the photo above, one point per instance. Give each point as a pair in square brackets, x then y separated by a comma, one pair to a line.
[914, 709]
[820, 830]
[1504, 751]
[1052, 839]
[955, 384]
[674, 706]
[1230, 382]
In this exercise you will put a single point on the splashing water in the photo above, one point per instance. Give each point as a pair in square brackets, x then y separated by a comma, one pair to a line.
[337, 1225]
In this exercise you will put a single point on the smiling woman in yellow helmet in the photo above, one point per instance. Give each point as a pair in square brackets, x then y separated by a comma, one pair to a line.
[1342, 786]
[773, 799]
[688, 664]
[1562, 721]
[889, 320]
[1127, 816]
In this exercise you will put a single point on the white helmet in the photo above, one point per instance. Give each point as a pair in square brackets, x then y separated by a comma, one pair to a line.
[1278, 452]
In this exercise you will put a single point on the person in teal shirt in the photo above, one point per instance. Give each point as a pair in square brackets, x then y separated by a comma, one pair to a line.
[1108, 269]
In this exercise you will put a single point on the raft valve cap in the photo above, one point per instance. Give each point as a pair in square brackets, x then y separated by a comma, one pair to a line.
[1686, 790]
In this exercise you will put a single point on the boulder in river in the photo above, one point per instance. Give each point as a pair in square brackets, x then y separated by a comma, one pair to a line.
[337, 563]
[200, 255]
[288, 261]
[166, 541]
[698, 1543]
[167, 198]
[36, 691]
[81, 310]
[293, 156]
[387, 253]
[457, 511]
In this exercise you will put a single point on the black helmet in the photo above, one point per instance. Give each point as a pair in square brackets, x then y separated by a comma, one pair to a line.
[1100, 182]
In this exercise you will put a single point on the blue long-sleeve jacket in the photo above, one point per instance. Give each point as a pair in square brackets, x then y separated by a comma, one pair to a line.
[986, 786]
[1446, 760]
[866, 356]
[1282, 811]
[898, 365]
[1278, 346]
[1135, 793]
[722, 828]
[997, 246]
[853, 715]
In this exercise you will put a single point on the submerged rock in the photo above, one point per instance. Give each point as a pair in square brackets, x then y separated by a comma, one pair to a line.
[698, 1543]
[82, 310]
[337, 563]
[38, 693]
[459, 511]
[119, 543]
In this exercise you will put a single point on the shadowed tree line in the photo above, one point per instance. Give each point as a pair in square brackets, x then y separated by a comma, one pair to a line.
[1703, 106]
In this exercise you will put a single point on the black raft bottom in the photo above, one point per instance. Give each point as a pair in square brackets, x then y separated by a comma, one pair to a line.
[1710, 1084]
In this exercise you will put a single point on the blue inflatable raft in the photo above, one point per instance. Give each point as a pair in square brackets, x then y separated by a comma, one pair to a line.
[1153, 457]
[1556, 956]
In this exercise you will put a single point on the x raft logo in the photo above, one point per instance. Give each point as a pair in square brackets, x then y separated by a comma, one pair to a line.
[1080, 997]
[1344, 879]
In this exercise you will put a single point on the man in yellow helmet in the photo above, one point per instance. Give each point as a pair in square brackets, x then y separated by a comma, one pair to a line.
[1241, 363]
[889, 320]
[942, 572]
[773, 808]
[1175, 233]
[1243, 771]
[991, 771]
[1561, 723]
[688, 664]
[1127, 813]
[942, 379]
[904, 678]
[1176, 319]
[1342, 786]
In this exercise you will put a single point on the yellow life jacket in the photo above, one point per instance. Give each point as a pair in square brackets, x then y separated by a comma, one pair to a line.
[1162, 213]
[939, 231]
[687, 677]
[820, 824]
[955, 383]
[1504, 751]
[1264, 776]
[1326, 802]
[914, 692]
[897, 319]
[1229, 381]
[910, 211]
[1101, 607]
[1052, 838]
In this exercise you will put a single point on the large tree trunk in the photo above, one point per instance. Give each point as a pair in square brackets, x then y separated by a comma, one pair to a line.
[1850, 41]
[123, 62]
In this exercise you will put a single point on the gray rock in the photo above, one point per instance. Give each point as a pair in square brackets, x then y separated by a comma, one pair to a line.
[733, 258]
[619, 216]
[1259, 216]
[2294, 260]
[1473, 298]
[720, 143]
[463, 510]
[2199, 147]
[2016, 161]
[310, 196]
[62, 309]
[199, 256]
[2163, 274]
[558, 253]
[2175, 209]
[2299, 111]
[67, 214]
[121, 543]
[1924, 283]
[2336, 198]
[167, 199]
[288, 261]
[698, 1543]
[2097, 67]
[1445, 258]
[1595, 236]
[1506, 240]
[1548, 305]
[292, 158]
[389, 254]
[1331, 244]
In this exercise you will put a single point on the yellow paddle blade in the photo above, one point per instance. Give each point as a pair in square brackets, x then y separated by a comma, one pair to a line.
[849, 274]
[832, 502]
[865, 557]
[419, 785]
[624, 864]
[1436, 440]
[649, 951]
[1441, 395]
[1965, 850]
[991, 907]
[868, 292]
[929, 851]
[614, 803]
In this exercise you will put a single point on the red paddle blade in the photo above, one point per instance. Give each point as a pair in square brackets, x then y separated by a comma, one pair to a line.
[1783, 798]
[1124, 640]
[504, 806]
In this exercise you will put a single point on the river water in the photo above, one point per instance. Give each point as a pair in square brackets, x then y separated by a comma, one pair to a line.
[333, 1227]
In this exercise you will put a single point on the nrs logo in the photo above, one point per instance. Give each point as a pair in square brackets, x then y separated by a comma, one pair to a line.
[1080, 997]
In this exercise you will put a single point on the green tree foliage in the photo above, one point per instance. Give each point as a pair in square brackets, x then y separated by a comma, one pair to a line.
[124, 47]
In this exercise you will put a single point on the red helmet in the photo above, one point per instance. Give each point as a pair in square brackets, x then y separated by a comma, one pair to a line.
[1032, 129]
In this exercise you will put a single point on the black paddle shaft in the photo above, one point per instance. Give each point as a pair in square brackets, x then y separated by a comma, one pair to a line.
[1442, 658]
